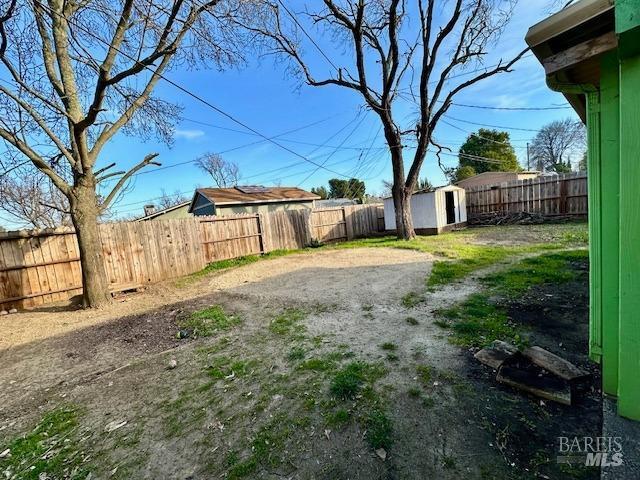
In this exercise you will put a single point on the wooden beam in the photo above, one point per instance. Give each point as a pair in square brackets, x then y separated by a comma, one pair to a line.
[579, 53]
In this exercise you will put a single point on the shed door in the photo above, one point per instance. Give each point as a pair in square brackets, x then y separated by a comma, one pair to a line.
[451, 207]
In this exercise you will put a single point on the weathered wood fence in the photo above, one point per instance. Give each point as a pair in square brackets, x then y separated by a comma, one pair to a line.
[549, 195]
[37, 268]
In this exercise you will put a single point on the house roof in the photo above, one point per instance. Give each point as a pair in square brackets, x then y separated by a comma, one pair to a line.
[569, 45]
[489, 174]
[164, 210]
[235, 196]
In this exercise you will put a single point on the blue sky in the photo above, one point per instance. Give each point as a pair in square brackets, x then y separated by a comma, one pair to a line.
[264, 96]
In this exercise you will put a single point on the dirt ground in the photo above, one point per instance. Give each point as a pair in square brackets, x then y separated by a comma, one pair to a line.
[271, 416]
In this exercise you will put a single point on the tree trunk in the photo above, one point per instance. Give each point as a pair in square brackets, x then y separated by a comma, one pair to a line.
[404, 219]
[401, 194]
[84, 214]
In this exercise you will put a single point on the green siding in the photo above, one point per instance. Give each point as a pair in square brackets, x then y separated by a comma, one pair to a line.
[629, 356]
[595, 226]
[610, 190]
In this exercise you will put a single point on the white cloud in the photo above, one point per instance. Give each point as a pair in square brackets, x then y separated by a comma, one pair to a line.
[189, 134]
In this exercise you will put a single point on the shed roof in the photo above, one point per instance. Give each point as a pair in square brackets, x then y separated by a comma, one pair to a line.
[235, 196]
[158, 213]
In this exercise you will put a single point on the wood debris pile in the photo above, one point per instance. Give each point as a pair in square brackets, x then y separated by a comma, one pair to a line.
[535, 370]
[516, 218]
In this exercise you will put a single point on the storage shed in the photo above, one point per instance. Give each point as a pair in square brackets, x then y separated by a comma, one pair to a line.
[434, 211]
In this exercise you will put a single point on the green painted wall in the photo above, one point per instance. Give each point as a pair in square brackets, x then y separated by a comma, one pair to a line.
[610, 222]
[629, 355]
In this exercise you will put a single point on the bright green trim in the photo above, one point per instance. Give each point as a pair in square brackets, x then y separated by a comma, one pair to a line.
[610, 222]
[628, 27]
[629, 356]
[595, 226]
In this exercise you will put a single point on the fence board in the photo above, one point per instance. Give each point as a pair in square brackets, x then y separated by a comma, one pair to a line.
[41, 267]
[553, 195]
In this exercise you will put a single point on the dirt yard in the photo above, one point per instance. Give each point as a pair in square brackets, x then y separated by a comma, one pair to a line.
[328, 364]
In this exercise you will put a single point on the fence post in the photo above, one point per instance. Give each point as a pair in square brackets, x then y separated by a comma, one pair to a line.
[263, 249]
[348, 225]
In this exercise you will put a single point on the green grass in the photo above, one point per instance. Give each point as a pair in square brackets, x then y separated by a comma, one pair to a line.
[425, 373]
[545, 269]
[208, 321]
[287, 322]
[50, 447]
[411, 299]
[232, 263]
[389, 346]
[478, 322]
[349, 380]
[411, 321]
[378, 429]
[338, 418]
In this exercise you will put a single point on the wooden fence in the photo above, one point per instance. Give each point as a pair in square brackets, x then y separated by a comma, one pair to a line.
[38, 268]
[548, 195]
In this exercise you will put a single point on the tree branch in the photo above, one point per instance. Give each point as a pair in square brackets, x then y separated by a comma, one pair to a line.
[148, 160]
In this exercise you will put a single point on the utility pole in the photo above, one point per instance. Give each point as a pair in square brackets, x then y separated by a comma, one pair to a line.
[528, 162]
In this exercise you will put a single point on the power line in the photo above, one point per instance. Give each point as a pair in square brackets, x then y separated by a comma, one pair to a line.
[492, 126]
[193, 95]
[487, 107]
[295, 19]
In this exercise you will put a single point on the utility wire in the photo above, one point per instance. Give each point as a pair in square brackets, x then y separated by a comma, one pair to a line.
[191, 94]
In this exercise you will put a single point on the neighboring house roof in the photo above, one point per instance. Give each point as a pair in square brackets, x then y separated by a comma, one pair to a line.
[245, 195]
[159, 213]
[336, 202]
[489, 175]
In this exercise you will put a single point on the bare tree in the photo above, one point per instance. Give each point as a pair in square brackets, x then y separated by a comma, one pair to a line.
[77, 73]
[398, 57]
[223, 172]
[34, 201]
[169, 200]
[557, 143]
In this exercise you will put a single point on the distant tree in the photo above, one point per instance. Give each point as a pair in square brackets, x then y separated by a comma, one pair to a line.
[224, 173]
[33, 200]
[352, 188]
[463, 172]
[582, 165]
[321, 192]
[488, 144]
[423, 184]
[169, 200]
[556, 144]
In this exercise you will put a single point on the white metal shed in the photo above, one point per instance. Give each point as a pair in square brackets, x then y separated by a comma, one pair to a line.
[435, 211]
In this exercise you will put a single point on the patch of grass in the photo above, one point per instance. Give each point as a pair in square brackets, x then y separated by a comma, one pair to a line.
[379, 430]
[392, 357]
[232, 263]
[349, 380]
[337, 418]
[478, 322]
[414, 392]
[411, 321]
[287, 321]
[50, 449]
[411, 299]
[551, 268]
[425, 373]
[442, 323]
[208, 321]
[389, 346]
[317, 364]
[223, 367]
[297, 352]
